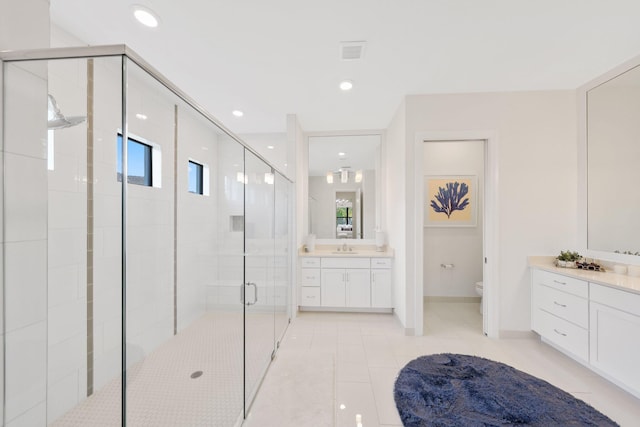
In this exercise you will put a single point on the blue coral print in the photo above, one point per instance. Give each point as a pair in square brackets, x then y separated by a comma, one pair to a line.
[451, 198]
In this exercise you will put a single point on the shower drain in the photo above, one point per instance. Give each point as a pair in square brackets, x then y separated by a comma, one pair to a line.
[196, 374]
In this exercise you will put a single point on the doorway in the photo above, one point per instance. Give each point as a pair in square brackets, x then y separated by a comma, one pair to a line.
[453, 227]
[487, 220]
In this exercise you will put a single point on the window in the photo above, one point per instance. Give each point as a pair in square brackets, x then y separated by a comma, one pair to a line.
[139, 162]
[344, 216]
[195, 178]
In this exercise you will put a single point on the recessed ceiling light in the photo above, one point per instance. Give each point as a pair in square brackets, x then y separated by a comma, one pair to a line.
[237, 113]
[270, 147]
[341, 154]
[145, 16]
[346, 85]
[141, 116]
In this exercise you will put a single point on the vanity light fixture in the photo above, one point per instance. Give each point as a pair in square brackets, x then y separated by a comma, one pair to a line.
[344, 176]
[329, 177]
[346, 85]
[359, 176]
[145, 16]
[237, 113]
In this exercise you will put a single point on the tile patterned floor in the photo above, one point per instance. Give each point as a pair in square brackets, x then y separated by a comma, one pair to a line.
[161, 392]
[332, 366]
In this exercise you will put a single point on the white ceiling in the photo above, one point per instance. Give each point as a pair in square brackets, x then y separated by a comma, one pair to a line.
[271, 58]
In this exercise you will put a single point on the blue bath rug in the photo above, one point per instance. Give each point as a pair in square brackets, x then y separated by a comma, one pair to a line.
[447, 390]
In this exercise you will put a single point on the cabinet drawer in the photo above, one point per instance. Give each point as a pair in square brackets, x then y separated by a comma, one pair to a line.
[345, 262]
[557, 281]
[380, 262]
[565, 335]
[307, 262]
[619, 299]
[310, 277]
[310, 296]
[566, 306]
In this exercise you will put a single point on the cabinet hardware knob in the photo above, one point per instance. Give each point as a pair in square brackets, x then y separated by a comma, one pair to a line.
[559, 282]
[558, 304]
[559, 333]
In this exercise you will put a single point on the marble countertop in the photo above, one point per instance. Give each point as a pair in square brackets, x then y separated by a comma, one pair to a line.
[358, 251]
[607, 278]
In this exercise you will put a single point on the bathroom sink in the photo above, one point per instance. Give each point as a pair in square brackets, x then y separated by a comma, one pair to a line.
[344, 253]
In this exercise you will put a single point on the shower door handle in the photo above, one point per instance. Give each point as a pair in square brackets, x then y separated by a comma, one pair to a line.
[255, 290]
[242, 293]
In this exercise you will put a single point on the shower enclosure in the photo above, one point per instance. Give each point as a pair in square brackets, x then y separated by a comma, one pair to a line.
[146, 250]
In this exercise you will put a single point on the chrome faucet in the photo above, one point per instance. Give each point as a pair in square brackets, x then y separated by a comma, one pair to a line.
[344, 247]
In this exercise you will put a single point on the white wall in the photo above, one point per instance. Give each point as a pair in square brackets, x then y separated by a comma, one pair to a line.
[394, 148]
[460, 246]
[24, 25]
[537, 171]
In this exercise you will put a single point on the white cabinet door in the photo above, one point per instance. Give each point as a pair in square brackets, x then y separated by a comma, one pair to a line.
[332, 288]
[381, 296]
[358, 288]
[615, 345]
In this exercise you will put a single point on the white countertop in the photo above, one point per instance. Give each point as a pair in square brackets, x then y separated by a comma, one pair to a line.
[607, 278]
[358, 251]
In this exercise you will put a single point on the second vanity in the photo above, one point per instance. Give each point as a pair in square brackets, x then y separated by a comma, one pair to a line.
[593, 317]
[353, 280]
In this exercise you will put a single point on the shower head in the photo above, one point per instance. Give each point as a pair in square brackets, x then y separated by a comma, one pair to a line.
[57, 120]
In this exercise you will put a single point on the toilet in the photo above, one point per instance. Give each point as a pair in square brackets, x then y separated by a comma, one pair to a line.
[479, 292]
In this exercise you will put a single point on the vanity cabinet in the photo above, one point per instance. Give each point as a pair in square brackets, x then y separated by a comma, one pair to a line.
[310, 282]
[560, 312]
[381, 291]
[615, 335]
[346, 282]
[597, 324]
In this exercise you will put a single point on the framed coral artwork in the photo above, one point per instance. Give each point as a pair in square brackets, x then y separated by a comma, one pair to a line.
[451, 201]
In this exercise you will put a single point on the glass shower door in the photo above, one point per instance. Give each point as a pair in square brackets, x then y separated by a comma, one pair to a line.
[258, 283]
[281, 259]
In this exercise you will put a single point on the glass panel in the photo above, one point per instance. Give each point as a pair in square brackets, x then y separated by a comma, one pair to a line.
[207, 279]
[259, 253]
[210, 275]
[151, 252]
[282, 259]
[63, 253]
[184, 315]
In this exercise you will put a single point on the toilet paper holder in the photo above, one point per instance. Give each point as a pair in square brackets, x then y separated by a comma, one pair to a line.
[446, 266]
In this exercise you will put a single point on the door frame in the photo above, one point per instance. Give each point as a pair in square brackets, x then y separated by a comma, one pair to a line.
[491, 278]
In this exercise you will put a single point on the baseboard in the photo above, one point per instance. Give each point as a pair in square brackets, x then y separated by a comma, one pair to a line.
[507, 334]
[409, 332]
[451, 299]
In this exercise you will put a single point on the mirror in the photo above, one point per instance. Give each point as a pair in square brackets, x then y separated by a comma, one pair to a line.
[342, 186]
[613, 164]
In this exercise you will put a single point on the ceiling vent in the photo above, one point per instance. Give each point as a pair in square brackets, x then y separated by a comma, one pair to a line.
[352, 51]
